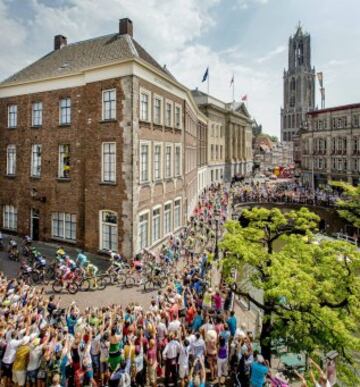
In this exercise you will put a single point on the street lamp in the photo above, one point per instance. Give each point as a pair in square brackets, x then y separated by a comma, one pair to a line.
[217, 219]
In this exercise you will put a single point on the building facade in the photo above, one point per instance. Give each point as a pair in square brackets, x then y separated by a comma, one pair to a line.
[330, 145]
[299, 85]
[98, 146]
[229, 138]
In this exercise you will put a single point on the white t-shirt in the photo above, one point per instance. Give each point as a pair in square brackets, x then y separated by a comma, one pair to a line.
[34, 358]
[184, 356]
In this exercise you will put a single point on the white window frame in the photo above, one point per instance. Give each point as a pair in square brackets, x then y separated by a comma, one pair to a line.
[158, 217]
[63, 226]
[178, 224]
[36, 117]
[36, 153]
[145, 179]
[165, 230]
[149, 112]
[161, 114]
[171, 103]
[12, 116]
[112, 246]
[9, 217]
[160, 169]
[180, 123]
[108, 175]
[11, 161]
[112, 103]
[168, 176]
[179, 173]
[147, 242]
[62, 157]
[65, 111]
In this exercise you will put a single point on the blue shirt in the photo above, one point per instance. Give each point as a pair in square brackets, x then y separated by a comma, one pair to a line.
[258, 374]
[197, 322]
[70, 322]
[231, 322]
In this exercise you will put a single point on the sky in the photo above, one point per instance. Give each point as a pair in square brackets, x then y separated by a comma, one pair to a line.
[247, 38]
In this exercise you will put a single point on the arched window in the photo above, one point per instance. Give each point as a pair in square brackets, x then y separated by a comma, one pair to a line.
[292, 84]
[108, 230]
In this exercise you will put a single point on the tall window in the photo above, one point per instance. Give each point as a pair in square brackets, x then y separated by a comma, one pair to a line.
[64, 161]
[144, 162]
[221, 151]
[156, 225]
[177, 160]
[12, 116]
[65, 111]
[157, 110]
[212, 152]
[11, 160]
[109, 162]
[109, 230]
[109, 104]
[168, 161]
[178, 117]
[10, 217]
[177, 214]
[63, 226]
[168, 114]
[167, 218]
[157, 162]
[143, 231]
[36, 160]
[144, 106]
[37, 114]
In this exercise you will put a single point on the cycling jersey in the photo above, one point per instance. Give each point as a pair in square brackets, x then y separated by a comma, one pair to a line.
[81, 260]
[91, 269]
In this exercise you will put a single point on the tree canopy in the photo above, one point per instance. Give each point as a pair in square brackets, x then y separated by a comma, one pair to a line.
[349, 207]
[311, 291]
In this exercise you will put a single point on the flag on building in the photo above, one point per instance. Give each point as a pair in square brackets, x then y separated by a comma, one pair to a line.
[232, 81]
[244, 97]
[206, 75]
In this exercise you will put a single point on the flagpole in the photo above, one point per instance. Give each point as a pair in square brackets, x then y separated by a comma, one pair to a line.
[208, 83]
[233, 89]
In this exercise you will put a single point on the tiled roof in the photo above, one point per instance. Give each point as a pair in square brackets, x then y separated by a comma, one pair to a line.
[81, 55]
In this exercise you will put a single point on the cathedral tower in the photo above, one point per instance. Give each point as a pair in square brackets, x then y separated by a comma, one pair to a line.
[299, 85]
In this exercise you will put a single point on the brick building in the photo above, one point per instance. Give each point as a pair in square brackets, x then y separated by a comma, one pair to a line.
[99, 146]
[330, 145]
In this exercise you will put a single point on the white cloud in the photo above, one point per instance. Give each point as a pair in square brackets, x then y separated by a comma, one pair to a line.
[278, 50]
[245, 4]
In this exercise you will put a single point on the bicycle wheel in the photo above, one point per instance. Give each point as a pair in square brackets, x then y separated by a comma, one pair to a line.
[149, 286]
[57, 286]
[129, 282]
[108, 279]
[120, 279]
[101, 283]
[72, 288]
[85, 285]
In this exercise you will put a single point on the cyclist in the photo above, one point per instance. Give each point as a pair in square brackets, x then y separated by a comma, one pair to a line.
[116, 260]
[91, 270]
[81, 259]
[70, 262]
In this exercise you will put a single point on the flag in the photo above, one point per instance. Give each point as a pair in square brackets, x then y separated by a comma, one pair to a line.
[206, 75]
[244, 97]
[320, 78]
[232, 80]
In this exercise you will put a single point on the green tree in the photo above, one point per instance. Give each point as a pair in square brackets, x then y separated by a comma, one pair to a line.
[349, 207]
[310, 291]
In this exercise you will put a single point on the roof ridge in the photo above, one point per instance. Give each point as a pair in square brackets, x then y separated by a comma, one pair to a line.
[89, 40]
[132, 46]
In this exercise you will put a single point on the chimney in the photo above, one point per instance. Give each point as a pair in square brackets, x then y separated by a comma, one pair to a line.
[60, 41]
[125, 27]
